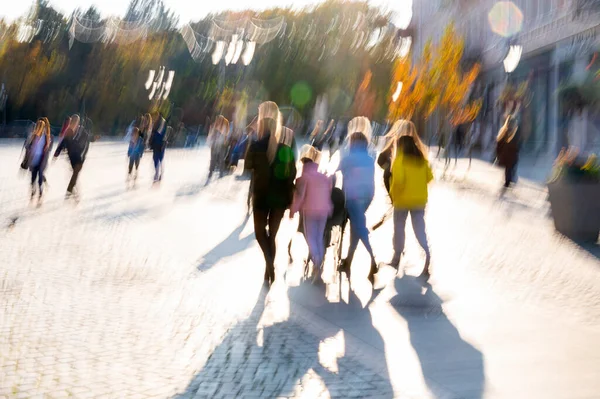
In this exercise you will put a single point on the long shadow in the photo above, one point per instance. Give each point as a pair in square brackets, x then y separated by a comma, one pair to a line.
[31, 211]
[448, 362]
[230, 246]
[273, 362]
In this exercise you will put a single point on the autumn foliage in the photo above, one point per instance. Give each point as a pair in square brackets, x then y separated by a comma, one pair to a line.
[436, 83]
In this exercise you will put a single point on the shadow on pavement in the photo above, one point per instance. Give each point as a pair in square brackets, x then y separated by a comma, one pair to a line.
[230, 246]
[279, 359]
[447, 360]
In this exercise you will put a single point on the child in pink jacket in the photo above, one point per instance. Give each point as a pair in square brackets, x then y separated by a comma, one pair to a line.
[312, 198]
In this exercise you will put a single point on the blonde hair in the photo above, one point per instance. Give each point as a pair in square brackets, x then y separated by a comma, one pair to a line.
[221, 125]
[508, 129]
[270, 119]
[403, 127]
[360, 124]
[42, 127]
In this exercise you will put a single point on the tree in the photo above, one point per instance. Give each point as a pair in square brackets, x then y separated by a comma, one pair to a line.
[450, 86]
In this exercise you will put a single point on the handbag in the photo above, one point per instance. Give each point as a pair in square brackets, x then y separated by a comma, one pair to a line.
[25, 161]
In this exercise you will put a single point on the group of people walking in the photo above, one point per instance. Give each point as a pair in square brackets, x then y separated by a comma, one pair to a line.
[270, 157]
[275, 189]
[73, 138]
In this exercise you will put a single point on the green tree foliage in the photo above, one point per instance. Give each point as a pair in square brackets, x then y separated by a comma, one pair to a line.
[324, 47]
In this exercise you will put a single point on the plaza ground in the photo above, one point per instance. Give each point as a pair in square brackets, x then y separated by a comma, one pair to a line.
[156, 292]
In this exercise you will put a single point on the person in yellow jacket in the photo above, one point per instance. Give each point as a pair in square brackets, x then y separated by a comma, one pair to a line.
[411, 174]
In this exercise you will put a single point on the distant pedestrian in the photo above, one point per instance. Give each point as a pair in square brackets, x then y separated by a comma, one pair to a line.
[145, 127]
[75, 142]
[312, 198]
[272, 162]
[358, 173]
[63, 129]
[217, 141]
[507, 150]
[135, 152]
[158, 144]
[37, 153]
[410, 176]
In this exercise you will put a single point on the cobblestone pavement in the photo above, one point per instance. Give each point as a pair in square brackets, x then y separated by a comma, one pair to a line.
[155, 292]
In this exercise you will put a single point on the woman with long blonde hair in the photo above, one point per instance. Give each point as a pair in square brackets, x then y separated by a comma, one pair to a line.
[38, 148]
[358, 174]
[272, 162]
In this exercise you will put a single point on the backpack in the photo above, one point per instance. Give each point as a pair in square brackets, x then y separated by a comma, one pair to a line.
[284, 164]
[82, 139]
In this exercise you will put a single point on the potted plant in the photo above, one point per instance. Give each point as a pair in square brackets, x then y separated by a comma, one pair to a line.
[574, 193]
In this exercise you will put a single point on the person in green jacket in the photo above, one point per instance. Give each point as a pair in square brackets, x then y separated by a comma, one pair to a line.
[410, 175]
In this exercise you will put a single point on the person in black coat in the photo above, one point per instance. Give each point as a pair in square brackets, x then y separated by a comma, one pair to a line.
[507, 150]
[76, 145]
[272, 162]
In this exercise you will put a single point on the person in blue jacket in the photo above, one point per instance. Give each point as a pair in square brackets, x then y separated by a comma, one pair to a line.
[135, 151]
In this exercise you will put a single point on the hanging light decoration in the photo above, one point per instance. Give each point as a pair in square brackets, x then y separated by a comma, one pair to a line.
[249, 53]
[168, 84]
[238, 51]
[512, 58]
[231, 50]
[218, 53]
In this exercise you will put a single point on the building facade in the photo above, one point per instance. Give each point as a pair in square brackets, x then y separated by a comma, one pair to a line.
[560, 41]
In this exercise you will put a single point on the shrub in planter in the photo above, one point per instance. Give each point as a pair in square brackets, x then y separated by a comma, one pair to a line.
[574, 192]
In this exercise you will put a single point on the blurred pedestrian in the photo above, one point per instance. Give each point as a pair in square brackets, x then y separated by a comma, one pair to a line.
[312, 198]
[216, 141]
[507, 150]
[158, 144]
[63, 129]
[75, 144]
[135, 152]
[358, 173]
[37, 153]
[410, 176]
[272, 162]
[314, 135]
[145, 127]
[321, 139]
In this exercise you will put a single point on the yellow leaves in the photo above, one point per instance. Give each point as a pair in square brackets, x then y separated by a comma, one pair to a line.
[437, 83]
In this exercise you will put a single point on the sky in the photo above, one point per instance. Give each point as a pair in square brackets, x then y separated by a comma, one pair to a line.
[188, 10]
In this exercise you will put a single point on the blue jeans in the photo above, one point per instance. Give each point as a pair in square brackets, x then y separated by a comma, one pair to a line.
[157, 157]
[314, 230]
[358, 226]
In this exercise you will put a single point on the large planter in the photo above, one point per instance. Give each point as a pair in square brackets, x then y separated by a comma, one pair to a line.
[576, 209]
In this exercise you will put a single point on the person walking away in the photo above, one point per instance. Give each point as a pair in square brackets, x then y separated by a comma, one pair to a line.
[38, 148]
[507, 151]
[320, 140]
[314, 135]
[146, 128]
[271, 160]
[75, 150]
[135, 152]
[312, 198]
[63, 129]
[411, 174]
[158, 144]
[216, 142]
[358, 175]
